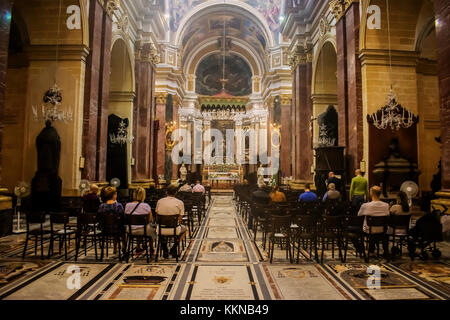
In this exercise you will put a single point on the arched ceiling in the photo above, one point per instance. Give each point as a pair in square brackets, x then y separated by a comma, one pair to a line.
[269, 9]
[211, 26]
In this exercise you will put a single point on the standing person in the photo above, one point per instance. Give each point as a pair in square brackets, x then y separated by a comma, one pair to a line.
[171, 206]
[359, 190]
[139, 207]
[308, 195]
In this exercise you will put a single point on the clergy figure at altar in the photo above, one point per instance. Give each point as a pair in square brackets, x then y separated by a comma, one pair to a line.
[183, 172]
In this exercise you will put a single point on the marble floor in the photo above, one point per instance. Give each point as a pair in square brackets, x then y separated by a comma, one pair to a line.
[220, 262]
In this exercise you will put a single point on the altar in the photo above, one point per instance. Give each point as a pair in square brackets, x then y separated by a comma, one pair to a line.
[222, 176]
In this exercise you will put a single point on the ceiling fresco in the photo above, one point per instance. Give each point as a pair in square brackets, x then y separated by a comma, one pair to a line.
[237, 71]
[270, 9]
[212, 27]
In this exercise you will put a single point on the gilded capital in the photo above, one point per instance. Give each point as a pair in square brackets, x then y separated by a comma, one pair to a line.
[149, 53]
[286, 99]
[110, 6]
[338, 7]
[161, 97]
[297, 57]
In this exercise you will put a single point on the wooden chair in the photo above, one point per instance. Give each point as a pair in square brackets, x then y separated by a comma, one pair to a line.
[280, 233]
[168, 228]
[38, 234]
[398, 223]
[87, 229]
[330, 229]
[112, 229]
[353, 231]
[138, 234]
[63, 235]
[306, 231]
[374, 237]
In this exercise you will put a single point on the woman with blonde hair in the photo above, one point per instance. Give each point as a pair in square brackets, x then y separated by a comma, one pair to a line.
[139, 207]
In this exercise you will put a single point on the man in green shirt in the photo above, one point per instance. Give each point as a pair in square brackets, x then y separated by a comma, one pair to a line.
[359, 190]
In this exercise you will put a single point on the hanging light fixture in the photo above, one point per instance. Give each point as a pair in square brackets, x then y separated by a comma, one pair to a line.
[392, 115]
[52, 108]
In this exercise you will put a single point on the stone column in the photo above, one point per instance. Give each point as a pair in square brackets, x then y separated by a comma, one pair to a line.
[161, 101]
[350, 83]
[5, 24]
[442, 12]
[143, 113]
[286, 135]
[96, 88]
[355, 148]
[303, 113]
[176, 106]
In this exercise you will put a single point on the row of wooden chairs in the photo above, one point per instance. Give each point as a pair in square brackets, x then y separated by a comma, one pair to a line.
[101, 230]
[308, 231]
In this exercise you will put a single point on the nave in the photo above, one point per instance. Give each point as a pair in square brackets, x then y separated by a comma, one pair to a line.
[221, 262]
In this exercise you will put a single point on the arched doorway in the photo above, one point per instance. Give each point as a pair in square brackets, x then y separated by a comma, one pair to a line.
[120, 115]
[324, 91]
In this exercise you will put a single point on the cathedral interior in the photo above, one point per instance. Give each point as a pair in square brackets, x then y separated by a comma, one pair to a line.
[233, 94]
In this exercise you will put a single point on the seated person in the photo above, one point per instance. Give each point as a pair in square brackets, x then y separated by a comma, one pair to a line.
[91, 201]
[111, 206]
[199, 188]
[171, 206]
[139, 207]
[259, 197]
[400, 208]
[308, 195]
[277, 196]
[185, 188]
[335, 180]
[375, 208]
[332, 193]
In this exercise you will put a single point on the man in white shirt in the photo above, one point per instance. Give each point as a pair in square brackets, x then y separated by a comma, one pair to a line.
[199, 188]
[171, 206]
[375, 208]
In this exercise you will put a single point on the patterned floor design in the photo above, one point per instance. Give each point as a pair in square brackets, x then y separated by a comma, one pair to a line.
[221, 261]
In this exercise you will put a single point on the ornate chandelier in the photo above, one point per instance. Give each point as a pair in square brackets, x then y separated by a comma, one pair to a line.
[121, 137]
[52, 109]
[392, 115]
